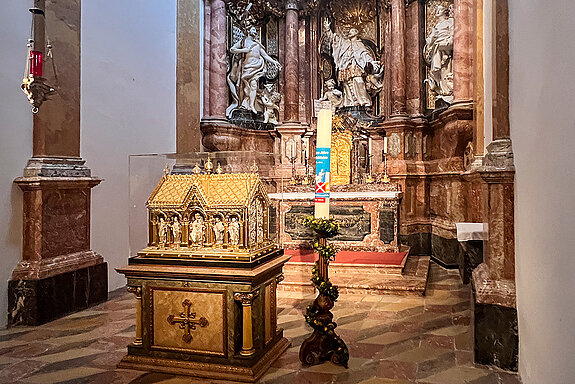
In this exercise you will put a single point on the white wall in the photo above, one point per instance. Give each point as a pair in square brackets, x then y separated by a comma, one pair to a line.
[15, 137]
[543, 132]
[128, 106]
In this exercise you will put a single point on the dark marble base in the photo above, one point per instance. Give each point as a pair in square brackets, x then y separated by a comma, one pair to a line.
[444, 252]
[469, 259]
[419, 243]
[247, 119]
[496, 336]
[35, 302]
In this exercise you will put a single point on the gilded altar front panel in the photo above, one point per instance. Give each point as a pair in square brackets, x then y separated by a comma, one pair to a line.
[189, 320]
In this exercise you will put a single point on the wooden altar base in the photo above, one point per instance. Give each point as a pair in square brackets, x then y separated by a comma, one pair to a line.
[408, 277]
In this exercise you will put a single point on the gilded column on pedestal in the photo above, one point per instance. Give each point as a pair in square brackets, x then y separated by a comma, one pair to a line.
[246, 298]
[138, 292]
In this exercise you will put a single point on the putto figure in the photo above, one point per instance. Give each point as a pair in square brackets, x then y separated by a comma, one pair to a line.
[332, 94]
[438, 53]
[354, 61]
[248, 66]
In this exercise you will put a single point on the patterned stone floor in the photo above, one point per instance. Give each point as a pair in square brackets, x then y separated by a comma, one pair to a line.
[392, 339]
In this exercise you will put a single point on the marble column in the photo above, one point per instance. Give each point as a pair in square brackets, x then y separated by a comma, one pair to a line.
[398, 68]
[463, 43]
[207, 55]
[414, 58]
[291, 90]
[500, 70]
[218, 61]
[188, 77]
[56, 186]
[496, 342]
[479, 86]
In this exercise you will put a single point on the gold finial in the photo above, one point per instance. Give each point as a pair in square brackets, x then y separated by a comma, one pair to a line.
[197, 169]
[167, 170]
[254, 167]
[208, 166]
[219, 169]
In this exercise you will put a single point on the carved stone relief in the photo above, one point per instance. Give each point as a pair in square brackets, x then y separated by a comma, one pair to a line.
[394, 145]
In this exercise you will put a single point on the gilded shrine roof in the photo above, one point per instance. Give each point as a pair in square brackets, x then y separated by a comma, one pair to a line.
[214, 190]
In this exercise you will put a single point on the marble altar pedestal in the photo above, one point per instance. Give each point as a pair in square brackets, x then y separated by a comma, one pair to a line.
[209, 319]
[369, 219]
[370, 226]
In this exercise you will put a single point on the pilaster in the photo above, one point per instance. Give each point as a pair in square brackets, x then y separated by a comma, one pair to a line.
[58, 273]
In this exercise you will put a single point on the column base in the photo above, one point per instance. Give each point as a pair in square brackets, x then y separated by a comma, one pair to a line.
[495, 326]
[496, 337]
[469, 259]
[38, 301]
[56, 167]
[220, 135]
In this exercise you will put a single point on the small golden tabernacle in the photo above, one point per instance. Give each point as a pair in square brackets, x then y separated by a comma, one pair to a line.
[209, 216]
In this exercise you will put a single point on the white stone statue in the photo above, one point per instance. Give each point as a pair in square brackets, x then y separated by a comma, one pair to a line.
[248, 66]
[332, 94]
[234, 231]
[438, 53]
[177, 231]
[198, 228]
[219, 229]
[270, 100]
[354, 61]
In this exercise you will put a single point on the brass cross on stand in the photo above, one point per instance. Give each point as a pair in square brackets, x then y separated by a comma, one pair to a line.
[187, 321]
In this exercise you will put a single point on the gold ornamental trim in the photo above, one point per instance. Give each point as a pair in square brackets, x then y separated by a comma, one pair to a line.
[213, 190]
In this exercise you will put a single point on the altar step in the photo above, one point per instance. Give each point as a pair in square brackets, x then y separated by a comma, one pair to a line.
[407, 277]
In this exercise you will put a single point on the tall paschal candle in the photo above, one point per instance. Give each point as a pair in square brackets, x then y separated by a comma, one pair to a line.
[322, 164]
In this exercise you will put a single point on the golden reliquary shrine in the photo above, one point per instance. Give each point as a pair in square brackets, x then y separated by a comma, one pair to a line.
[209, 216]
[206, 283]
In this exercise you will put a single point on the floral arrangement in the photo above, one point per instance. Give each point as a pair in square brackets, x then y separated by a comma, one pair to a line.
[323, 227]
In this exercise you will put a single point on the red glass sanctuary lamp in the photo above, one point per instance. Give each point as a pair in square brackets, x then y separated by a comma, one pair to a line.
[36, 63]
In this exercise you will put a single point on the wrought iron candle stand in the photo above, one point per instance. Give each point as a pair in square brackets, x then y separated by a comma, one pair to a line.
[324, 344]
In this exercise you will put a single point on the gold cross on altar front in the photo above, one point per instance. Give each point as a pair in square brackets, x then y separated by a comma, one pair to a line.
[187, 321]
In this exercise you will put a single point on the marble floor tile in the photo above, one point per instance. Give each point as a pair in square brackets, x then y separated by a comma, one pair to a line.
[391, 339]
[64, 375]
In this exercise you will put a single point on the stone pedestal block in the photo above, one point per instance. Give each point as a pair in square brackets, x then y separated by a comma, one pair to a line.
[58, 273]
[38, 301]
[496, 336]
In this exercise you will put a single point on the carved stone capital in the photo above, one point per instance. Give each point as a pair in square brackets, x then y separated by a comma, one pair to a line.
[499, 156]
[135, 290]
[246, 298]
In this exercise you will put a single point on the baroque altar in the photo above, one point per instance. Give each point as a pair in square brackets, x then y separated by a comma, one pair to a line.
[205, 284]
